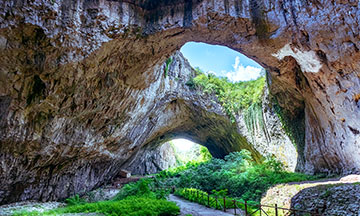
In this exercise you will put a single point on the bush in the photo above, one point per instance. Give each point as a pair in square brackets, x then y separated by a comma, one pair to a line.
[133, 205]
[75, 200]
[237, 174]
[214, 200]
[130, 206]
[134, 189]
[232, 96]
[133, 199]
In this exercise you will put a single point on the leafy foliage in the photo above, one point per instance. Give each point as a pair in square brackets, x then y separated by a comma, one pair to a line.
[237, 173]
[232, 96]
[135, 206]
[168, 62]
[75, 200]
[196, 153]
[213, 200]
[134, 189]
[136, 199]
[205, 154]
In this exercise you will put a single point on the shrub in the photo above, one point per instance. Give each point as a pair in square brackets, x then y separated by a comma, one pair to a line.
[232, 96]
[237, 174]
[132, 189]
[75, 200]
[214, 200]
[133, 205]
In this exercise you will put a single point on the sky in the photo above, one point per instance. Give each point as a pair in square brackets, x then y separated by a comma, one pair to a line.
[183, 144]
[221, 61]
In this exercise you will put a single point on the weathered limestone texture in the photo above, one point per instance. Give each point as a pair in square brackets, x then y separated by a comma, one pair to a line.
[84, 90]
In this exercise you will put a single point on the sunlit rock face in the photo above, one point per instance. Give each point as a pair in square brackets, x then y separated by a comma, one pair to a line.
[83, 89]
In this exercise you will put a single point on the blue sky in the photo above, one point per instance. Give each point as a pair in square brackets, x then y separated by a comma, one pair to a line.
[221, 60]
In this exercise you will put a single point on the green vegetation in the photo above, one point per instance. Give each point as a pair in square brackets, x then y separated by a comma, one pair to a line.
[168, 62]
[214, 200]
[135, 206]
[253, 117]
[136, 199]
[75, 200]
[237, 173]
[196, 153]
[294, 126]
[232, 96]
[235, 176]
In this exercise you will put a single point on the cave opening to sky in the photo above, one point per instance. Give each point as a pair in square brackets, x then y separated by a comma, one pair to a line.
[221, 61]
[186, 151]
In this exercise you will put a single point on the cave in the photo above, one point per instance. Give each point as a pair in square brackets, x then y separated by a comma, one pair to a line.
[169, 155]
[107, 94]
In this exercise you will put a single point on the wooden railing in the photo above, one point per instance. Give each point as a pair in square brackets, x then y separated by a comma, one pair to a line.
[225, 203]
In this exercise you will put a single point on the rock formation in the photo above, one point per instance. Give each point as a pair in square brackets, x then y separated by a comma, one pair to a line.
[84, 89]
[333, 197]
[154, 160]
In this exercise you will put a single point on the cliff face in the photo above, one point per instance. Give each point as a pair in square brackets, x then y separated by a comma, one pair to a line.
[83, 87]
[154, 160]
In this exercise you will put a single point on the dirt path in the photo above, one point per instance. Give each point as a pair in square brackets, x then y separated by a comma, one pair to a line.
[194, 209]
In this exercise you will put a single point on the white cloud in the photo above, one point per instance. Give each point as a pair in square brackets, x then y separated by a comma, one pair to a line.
[242, 73]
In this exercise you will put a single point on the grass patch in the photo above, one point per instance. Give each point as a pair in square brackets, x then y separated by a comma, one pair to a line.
[135, 199]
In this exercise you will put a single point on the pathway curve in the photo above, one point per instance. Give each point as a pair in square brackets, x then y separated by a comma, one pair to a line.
[194, 209]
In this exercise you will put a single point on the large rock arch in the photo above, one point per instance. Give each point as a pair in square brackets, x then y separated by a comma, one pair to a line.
[67, 66]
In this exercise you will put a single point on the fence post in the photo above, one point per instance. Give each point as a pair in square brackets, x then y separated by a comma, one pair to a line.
[317, 212]
[224, 204]
[276, 210]
[234, 207]
[208, 201]
[216, 202]
[246, 213]
[197, 195]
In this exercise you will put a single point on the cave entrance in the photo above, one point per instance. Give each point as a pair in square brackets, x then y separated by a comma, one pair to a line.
[170, 154]
[224, 88]
[185, 151]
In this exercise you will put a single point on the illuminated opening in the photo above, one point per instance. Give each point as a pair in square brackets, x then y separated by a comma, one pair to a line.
[186, 151]
[222, 61]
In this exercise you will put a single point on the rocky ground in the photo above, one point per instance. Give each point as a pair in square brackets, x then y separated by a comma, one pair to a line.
[29, 206]
[337, 197]
[105, 193]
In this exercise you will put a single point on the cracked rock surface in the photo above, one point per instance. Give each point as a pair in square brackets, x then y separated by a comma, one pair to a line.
[83, 88]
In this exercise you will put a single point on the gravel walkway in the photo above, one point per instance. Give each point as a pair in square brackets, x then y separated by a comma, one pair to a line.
[194, 209]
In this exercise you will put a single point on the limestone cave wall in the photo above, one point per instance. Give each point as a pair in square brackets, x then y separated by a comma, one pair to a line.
[83, 88]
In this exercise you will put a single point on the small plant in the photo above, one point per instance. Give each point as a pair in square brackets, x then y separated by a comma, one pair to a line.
[220, 193]
[168, 62]
[75, 200]
[134, 189]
